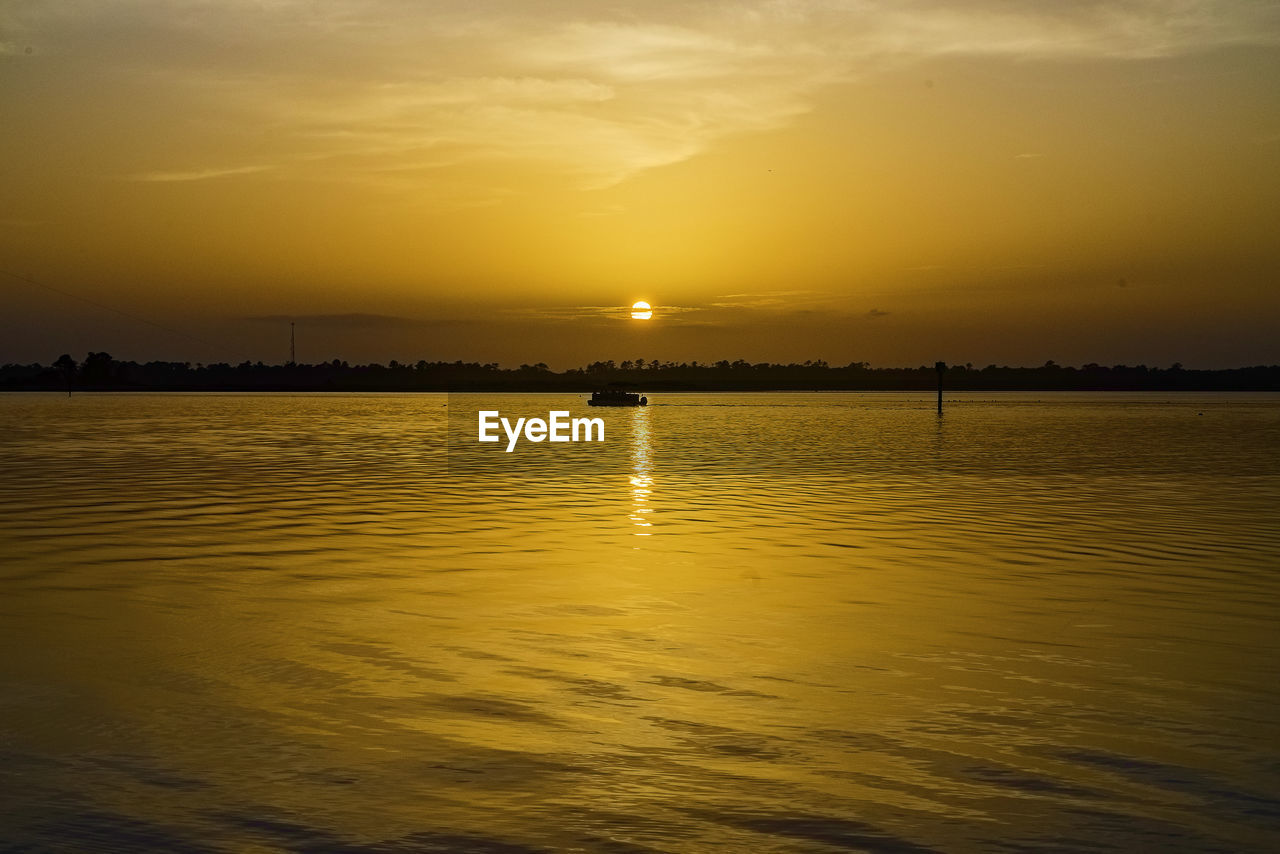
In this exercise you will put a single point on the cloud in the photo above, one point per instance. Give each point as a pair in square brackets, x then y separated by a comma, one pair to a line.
[382, 91]
[566, 313]
[1047, 29]
[875, 314]
[197, 174]
[608, 313]
[771, 300]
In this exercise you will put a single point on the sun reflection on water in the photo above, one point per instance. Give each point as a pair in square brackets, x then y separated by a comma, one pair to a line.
[642, 476]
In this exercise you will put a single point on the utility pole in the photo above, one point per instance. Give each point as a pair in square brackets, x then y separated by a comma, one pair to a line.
[941, 368]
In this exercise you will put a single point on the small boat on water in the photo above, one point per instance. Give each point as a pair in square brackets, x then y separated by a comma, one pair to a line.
[613, 397]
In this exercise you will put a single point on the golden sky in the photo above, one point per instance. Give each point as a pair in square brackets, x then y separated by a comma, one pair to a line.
[893, 182]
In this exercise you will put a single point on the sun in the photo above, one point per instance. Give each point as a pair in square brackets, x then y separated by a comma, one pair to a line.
[641, 311]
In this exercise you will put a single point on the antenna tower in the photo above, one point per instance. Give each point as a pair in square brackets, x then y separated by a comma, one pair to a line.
[293, 353]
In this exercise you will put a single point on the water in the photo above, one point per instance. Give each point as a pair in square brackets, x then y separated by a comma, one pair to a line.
[766, 622]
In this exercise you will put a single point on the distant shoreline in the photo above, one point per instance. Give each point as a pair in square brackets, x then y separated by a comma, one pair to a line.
[645, 390]
[100, 372]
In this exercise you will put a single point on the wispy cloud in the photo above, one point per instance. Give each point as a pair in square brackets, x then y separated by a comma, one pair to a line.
[665, 313]
[196, 174]
[590, 95]
[567, 313]
[770, 299]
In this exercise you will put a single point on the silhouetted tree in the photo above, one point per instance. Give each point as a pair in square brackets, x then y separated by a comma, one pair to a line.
[97, 368]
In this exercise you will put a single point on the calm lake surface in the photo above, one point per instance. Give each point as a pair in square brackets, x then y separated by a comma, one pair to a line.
[757, 622]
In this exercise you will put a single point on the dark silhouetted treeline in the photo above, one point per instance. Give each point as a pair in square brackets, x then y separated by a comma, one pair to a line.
[100, 372]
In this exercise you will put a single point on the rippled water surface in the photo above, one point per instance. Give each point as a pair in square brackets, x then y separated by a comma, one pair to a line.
[768, 622]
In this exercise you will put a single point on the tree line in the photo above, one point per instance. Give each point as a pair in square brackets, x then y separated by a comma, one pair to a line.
[101, 372]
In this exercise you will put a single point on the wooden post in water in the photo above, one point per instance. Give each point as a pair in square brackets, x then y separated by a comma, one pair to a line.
[941, 368]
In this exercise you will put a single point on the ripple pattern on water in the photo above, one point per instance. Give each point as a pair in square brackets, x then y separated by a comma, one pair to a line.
[745, 622]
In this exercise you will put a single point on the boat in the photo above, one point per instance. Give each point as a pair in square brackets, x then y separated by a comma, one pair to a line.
[613, 397]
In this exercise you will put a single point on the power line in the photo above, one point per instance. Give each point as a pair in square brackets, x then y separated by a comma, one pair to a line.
[95, 303]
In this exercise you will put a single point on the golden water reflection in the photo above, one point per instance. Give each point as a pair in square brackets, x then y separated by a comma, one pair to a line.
[642, 473]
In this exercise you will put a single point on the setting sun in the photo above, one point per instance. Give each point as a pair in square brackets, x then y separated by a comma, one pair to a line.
[641, 311]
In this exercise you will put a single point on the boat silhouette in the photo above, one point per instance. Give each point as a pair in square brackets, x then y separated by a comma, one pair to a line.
[615, 397]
